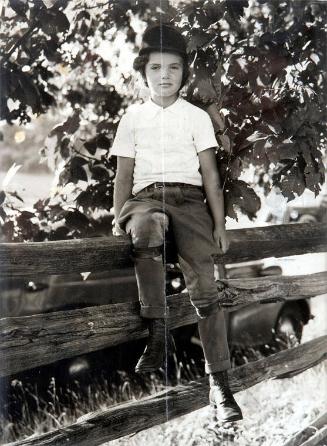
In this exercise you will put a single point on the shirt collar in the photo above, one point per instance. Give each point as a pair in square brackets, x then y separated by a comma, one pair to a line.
[152, 108]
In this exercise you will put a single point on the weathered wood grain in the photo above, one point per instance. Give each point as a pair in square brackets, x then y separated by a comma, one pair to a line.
[98, 427]
[271, 289]
[58, 335]
[315, 427]
[317, 439]
[105, 253]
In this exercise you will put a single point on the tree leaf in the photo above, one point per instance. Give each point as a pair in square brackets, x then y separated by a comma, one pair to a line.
[2, 197]
[27, 92]
[19, 6]
[53, 21]
[91, 145]
[50, 49]
[25, 225]
[236, 8]
[69, 127]
[197, 39]
[103, 142]
[3, 214]
[8, 229]
[225, 142]
[78, 161]
[99, 173]
[239, 194]
[85, 199]
[282, 151]
[77, 220]
[293, 183]
[314, 171]
[235, 168]
[213, 10]
[59, 233]
[203, 90]
[39, 205]
[64, 148]
[77, 173]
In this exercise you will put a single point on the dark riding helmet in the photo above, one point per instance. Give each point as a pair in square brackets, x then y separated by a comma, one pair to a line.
[163, 37]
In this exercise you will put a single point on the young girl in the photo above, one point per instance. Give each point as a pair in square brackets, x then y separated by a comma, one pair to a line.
[166, 167]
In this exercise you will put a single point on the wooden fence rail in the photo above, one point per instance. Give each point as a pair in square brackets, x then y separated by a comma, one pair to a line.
[53, 336]
[105, 253]
[312, 434]
[124, 419]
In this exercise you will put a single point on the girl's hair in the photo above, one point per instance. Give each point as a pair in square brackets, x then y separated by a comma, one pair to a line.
[141, 61]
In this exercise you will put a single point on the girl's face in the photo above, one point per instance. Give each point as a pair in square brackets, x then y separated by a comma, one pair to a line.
[164, 74]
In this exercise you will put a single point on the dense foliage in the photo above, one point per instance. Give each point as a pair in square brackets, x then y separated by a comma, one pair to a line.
[258, 68]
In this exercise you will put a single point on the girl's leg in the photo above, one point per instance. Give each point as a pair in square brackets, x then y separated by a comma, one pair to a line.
[192, 222]
[148, 231]
[212, 331]
[213, 335]
[212, 326]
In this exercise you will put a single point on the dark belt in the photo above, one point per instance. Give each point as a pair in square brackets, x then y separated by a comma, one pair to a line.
[153, 186]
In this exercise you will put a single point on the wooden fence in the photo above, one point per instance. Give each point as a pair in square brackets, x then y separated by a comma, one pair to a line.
[63, 334]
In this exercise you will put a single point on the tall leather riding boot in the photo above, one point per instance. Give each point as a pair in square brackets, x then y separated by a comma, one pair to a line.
[222, 399]
[158, 346]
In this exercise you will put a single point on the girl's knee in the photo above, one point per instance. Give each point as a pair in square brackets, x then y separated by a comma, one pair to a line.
[148, 230]
[161, 219]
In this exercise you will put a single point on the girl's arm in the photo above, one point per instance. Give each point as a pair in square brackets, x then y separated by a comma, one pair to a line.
[215, 196]
[122, 187]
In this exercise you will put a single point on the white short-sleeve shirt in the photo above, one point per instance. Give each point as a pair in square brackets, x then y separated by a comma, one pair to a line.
[165, 142]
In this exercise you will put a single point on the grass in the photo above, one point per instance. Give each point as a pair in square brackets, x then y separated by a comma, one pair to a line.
[62, 407]
[273, 411]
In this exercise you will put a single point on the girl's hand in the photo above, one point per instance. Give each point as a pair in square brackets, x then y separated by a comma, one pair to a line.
[117, 231]
[220, 236]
